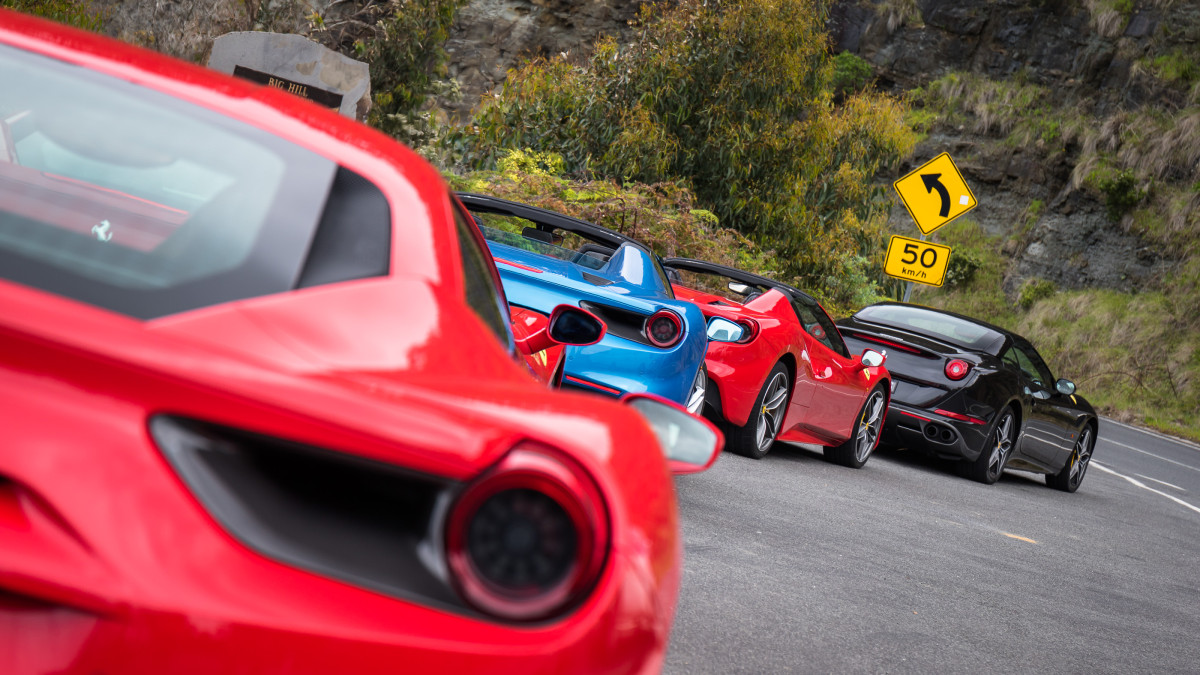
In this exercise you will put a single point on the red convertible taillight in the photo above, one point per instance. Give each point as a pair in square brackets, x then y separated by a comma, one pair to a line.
[664, 329]
[956, 369]
[528, 539]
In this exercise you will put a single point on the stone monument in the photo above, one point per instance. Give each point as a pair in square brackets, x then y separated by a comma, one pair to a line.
[297, 65]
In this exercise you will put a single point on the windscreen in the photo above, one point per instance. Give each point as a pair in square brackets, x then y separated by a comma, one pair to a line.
[131, 200]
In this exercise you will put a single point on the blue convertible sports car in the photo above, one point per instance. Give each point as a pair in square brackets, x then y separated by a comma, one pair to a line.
[655, 344]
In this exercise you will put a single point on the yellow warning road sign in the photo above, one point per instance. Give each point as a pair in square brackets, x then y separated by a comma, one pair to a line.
[914, 260]
[935, 193]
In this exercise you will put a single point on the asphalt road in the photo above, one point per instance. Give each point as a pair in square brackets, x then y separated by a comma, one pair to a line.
[796, 565]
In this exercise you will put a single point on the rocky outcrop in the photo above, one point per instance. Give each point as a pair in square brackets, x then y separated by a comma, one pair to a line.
[1084, 59]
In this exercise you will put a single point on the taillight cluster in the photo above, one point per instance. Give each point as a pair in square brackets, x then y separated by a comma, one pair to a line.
[957, 369]
[664, 329]
[528, 539]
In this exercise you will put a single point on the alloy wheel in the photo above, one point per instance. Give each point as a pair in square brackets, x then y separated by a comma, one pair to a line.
[770, 417]
[1081, 457]
[1001, 447]
[868, 427]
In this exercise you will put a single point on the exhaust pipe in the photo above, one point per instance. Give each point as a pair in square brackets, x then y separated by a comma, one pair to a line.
[938, 433]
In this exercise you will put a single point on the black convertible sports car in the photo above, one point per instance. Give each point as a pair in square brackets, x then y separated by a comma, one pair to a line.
[967, 390]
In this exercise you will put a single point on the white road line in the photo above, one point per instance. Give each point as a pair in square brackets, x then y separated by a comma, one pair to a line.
[1160, 482]
[1173, 439]
[1126, 445]
[1142, 485]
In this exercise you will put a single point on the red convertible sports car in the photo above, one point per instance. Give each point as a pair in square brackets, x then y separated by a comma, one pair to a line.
[261, 405]
[787, 374]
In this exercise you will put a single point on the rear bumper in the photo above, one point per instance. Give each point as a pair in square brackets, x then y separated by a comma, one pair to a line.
[925, 430]
[616, 366]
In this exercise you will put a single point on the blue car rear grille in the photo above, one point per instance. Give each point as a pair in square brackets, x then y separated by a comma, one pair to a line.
[620, 322]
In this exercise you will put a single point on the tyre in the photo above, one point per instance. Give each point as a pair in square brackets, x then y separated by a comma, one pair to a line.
[989, 465]
[1071, 476]
[766, 418]
[695, 399]
[857, 449]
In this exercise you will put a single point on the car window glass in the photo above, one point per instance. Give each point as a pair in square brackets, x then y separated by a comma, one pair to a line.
[1041, 373]
[817, 324]
[481, 293]
[126, 198]
[1021, 360]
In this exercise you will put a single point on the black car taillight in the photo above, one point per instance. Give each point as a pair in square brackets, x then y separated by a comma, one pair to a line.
[528, 539]
[957, 369]
[664, 329]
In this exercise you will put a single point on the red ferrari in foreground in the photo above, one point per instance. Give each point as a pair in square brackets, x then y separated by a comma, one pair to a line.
[787, 375]
[261, 406]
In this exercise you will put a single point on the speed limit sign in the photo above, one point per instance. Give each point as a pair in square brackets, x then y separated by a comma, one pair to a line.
[915, 260]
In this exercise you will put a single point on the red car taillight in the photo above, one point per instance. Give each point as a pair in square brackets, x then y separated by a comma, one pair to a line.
[664, 329]
[956, 369]
[528, 539]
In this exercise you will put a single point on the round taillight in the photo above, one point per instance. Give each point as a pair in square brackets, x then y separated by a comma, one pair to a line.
[664, 329]
[528, 539]
[956, 369]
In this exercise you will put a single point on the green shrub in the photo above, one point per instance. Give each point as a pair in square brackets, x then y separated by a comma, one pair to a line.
[850, 73]
[961, 268]
[1119, 188]
[1033, 290]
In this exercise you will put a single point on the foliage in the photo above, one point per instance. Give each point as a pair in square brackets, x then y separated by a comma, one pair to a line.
[961, 268]
[404, 47]
[731, 99]
[1119, 188]
[71, 12]
[1034, 290]
[850, 73]
[1177, 66]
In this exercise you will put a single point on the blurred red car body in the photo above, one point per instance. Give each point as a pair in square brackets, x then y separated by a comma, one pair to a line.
[308, 470]
[790, 377]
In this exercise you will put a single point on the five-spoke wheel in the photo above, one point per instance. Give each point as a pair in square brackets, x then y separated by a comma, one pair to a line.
[990, 464]
[766, 419]
[857, 449]
[1071, 476]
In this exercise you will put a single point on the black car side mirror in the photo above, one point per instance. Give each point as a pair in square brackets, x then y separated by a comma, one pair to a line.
[1065, 387]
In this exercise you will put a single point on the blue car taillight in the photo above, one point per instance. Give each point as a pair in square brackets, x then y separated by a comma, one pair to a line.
[664, 329]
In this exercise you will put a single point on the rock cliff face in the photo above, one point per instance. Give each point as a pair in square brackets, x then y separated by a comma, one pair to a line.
[1087, 57]
[492, 36]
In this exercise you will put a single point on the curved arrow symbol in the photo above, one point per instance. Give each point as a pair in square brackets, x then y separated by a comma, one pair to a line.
[932, 183]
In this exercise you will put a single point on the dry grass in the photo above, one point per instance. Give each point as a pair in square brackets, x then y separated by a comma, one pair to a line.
[897, 13]
[1155, 147]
